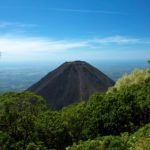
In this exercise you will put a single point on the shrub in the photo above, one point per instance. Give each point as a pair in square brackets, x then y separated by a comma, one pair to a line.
[136, 77]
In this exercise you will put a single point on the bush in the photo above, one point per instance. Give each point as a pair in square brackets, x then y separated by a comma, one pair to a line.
[102, 143]
[138, 141]
[141, 138]
[136, 77]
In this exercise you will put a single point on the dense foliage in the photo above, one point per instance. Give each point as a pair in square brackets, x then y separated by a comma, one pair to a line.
[140, 140]
[136, 77]
[106, 121]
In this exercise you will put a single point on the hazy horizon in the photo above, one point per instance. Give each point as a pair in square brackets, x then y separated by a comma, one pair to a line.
[19, 76]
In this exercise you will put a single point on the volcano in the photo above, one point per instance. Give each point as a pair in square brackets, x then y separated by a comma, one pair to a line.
[71, 82]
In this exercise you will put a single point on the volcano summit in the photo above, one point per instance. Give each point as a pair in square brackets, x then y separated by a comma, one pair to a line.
[71, 82]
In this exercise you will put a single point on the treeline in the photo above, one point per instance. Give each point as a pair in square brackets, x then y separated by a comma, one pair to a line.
[106, 121]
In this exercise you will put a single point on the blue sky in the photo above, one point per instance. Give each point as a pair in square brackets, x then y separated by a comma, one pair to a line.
[67, 30]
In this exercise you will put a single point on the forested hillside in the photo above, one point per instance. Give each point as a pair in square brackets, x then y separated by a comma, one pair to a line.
[118, 119]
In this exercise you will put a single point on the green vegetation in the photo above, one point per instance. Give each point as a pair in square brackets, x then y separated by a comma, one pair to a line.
[135, 78]
[140, 140]
[117, 120]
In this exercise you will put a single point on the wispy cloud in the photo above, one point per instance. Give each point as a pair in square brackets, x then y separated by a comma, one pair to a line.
[5, 24]
[40, 44]
[87, 11]
[15, 47]
[117, 40]
[73, 10]
[34, 44]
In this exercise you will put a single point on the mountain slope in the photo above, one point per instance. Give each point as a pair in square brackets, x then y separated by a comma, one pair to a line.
[71, 82]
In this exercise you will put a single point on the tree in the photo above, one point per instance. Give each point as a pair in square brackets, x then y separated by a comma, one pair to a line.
[18, 112]
[119, 111]
[74, 118]
[148, 61]
[51, 130]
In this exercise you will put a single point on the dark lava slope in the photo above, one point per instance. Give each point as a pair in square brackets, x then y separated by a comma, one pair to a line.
[71, 82]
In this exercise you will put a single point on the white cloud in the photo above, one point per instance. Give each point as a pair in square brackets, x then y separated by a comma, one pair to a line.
[117, 40]
[15, 47]
[34, 44]
[86, 11]
[5, 24]
[106, 12]
[13, 43]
